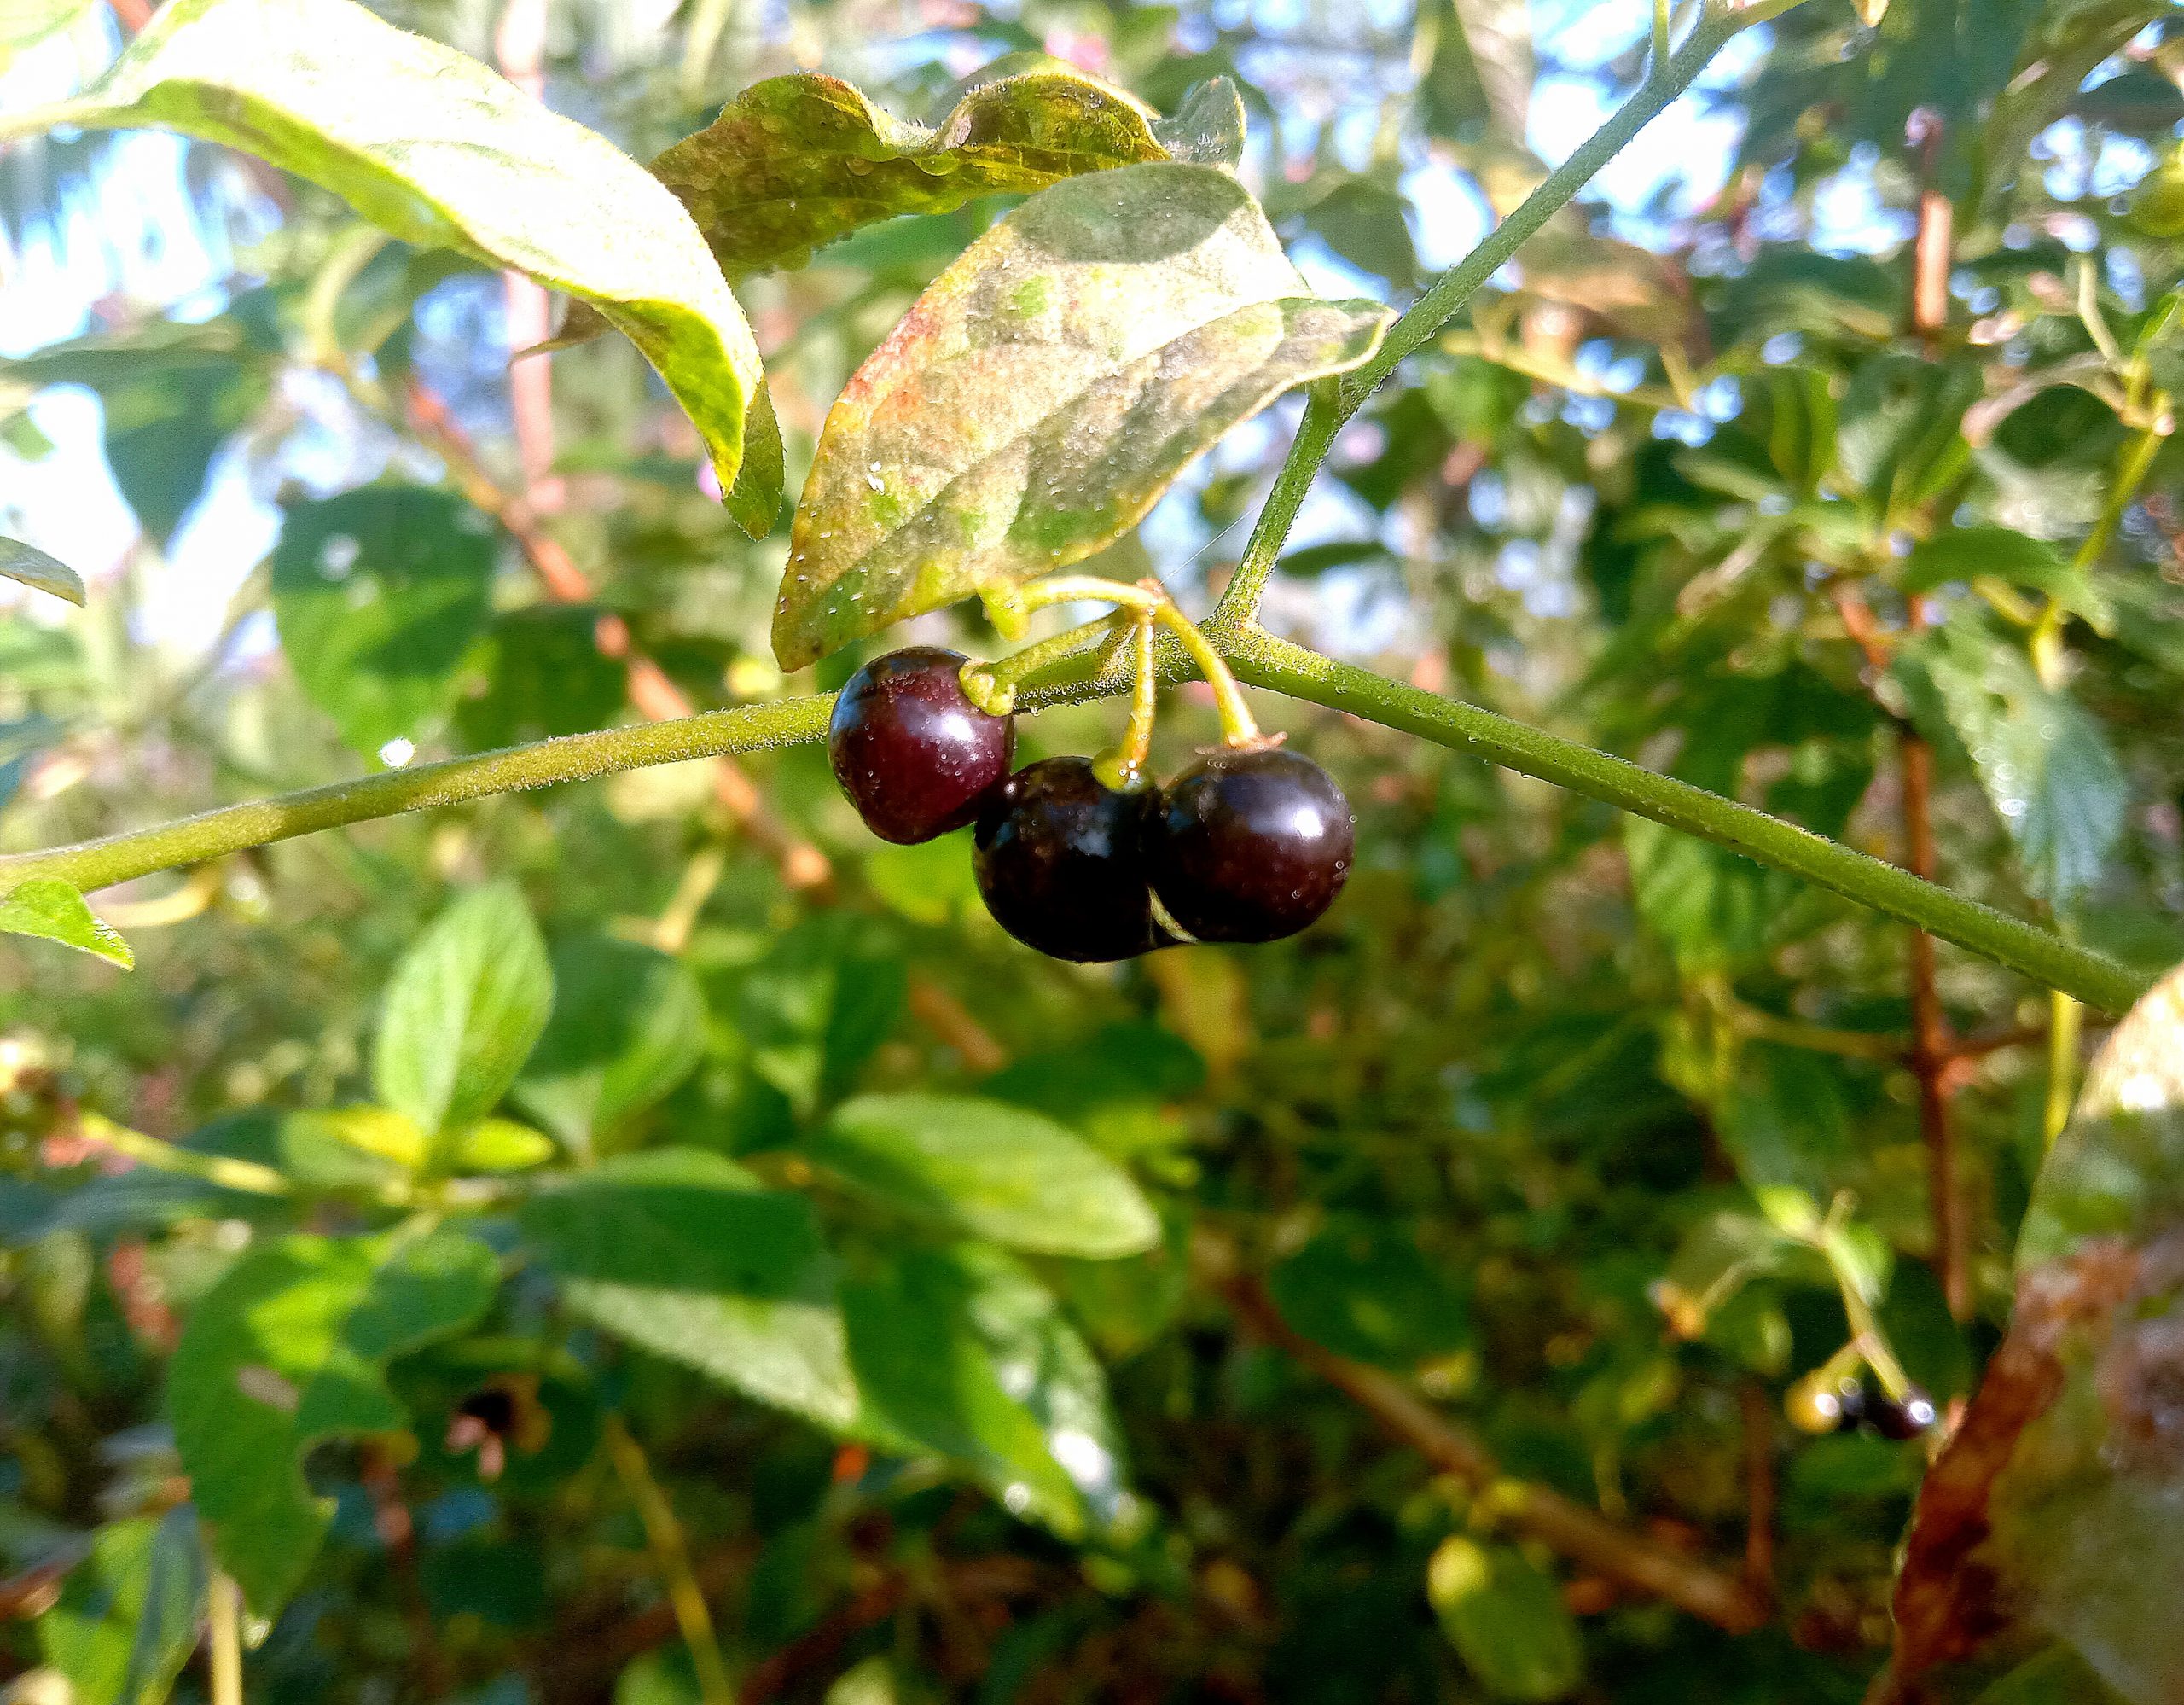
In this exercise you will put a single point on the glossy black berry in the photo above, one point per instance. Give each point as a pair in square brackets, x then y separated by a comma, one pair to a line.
[1060, 860]
[1899, 1421]
[913, 754]
[1250, 845]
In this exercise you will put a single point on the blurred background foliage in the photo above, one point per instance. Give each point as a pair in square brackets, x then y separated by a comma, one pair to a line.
[1822, 459]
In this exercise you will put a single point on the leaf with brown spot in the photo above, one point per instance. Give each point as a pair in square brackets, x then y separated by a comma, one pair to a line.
[2053, 1513]
[1039, 397]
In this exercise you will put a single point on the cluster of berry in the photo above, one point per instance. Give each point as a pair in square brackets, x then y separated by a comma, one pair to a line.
[1824, 1402]
[1250, 843]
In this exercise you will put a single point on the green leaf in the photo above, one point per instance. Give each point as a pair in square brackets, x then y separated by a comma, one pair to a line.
[126, 1620]
[629, 1024]
[166, 425]
[1506, 1620]
[682, 1252]
[49, 907]
[796, 161]
[544, 675]
[437, 149]
[1970, 553]
[289, 1349]
[960, 1351]
[1713, 908]
[1045, 391]
[462, 1010]
[33, 568]
[25, 22]
[1366, 1291]
[988, 1169]
[379, 594]
[2043, 759]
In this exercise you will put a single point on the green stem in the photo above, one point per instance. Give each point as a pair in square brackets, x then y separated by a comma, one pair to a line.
[223, 1170]
[1334, 401]
[1123, 769]
[1255, 657]
[573, 758]
[1237, 728]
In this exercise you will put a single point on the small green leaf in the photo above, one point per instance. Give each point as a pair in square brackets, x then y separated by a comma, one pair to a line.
[462, 1012]
[126, 1620]
[796, 161]
[2043, 758]
[629, 1024]
[33, 568]
[1506, 1620]
[1045, 391]
[434, 146]
[379, 594]
[682, 1252]
[47, 906]
[1970, 553]
[1369, 1292]
[290, 1348]
[990, 1169]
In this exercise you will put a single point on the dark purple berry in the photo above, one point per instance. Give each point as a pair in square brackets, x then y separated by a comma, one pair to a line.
[1250, 845]
[1060, 860]
[1854, 1405]
[1899, 1421]
[913, 754]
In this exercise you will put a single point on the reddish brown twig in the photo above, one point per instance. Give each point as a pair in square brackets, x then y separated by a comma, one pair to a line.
[656, 697]
[1758, 1417]
[1584, 1536]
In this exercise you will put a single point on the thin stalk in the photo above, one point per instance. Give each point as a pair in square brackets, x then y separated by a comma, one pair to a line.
[1333, 402]
[1238, 727]
[2130, 474]
[2066, 1023]
[664, 1534]
[1255, 657]
[1123, 769]
[223, 1170]
[224, 1638]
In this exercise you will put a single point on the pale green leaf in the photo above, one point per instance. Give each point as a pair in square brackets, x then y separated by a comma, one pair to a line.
[983, 1166]
[31, 566]
[1506, 1620]
[1971, 554]
[126, 1620]
[796, 161]
[629, 1024]
[49, 907]
[462, 1012]
[439, 149]
[682, 1252]
[1045, 391]
[290, 1347]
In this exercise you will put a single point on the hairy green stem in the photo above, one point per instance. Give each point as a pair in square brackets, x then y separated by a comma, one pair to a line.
[573, 758]
[1255, 657]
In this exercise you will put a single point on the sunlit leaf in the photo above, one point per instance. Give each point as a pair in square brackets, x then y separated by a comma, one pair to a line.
[629, 1024]
[29, 566]
[49, 907]
[437, 149]
[462, 1012]
[1040, 397]
[2043, 760]
[796, 162]
[127, 1616]
[1970, 553]
[288, 1349]
[684, 1254]
[1506, 1620]
[998, 1172]
[379, 594]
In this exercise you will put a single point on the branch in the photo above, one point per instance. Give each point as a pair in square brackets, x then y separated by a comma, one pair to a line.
[1583, 1535]
[1257, 657]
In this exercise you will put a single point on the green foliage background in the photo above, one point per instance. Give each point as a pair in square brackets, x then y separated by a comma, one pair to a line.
[989, 1329]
